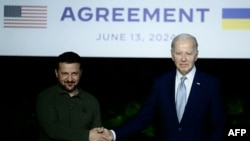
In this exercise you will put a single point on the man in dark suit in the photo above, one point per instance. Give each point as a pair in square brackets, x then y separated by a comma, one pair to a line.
[202, 118]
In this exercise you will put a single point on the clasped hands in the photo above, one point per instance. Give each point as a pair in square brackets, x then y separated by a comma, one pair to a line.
[100, 134]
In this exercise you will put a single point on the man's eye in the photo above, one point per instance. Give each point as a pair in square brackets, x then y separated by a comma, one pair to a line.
[177, 53]
[75, 73]
[190, 53]
[64, 73]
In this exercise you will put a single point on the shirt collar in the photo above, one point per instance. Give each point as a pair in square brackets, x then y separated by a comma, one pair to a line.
[189, 76]
[61, 91]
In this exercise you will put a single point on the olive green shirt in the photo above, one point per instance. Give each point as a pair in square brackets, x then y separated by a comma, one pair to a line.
[64, 118]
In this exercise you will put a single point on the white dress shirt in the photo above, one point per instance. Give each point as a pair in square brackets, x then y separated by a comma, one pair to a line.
[188, 82]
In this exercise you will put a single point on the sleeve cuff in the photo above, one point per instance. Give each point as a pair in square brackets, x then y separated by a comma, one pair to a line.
[114, 135]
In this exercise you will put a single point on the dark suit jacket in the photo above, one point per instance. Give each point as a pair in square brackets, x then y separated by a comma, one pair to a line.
[203, 118]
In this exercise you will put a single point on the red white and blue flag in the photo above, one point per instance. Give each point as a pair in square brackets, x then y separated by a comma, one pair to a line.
[25, 16]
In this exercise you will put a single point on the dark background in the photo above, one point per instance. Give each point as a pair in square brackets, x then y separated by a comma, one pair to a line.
[120, 84]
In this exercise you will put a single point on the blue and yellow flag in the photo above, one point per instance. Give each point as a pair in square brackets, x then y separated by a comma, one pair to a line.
[236, 18]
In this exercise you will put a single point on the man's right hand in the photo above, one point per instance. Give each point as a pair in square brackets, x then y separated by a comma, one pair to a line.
[100, 134]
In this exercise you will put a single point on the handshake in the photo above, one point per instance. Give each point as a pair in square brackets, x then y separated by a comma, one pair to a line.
[100, 134]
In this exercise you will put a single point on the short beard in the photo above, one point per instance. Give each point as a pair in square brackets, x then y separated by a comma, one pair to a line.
[67, 90]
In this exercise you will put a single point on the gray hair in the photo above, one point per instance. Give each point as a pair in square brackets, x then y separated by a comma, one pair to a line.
[184, 36]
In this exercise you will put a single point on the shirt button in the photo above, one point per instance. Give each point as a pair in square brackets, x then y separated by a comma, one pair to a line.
[179, 129]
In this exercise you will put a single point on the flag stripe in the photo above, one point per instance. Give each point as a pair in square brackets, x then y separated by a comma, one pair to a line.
[236, 13]
[25, 16]
[236, 24]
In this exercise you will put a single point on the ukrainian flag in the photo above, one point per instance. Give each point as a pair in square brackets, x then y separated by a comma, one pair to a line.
[236, 18]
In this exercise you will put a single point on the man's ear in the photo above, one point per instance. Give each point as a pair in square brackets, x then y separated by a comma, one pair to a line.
[56, 73]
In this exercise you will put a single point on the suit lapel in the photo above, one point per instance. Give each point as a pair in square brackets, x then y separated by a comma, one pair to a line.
[194, 95]
[172, 96]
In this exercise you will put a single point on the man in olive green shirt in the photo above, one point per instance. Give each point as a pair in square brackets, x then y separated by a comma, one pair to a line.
[64, 111]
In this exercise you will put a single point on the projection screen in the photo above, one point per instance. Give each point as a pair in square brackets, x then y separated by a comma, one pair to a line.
[123, 28]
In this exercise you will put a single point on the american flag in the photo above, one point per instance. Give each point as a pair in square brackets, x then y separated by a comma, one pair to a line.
[25, 16]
